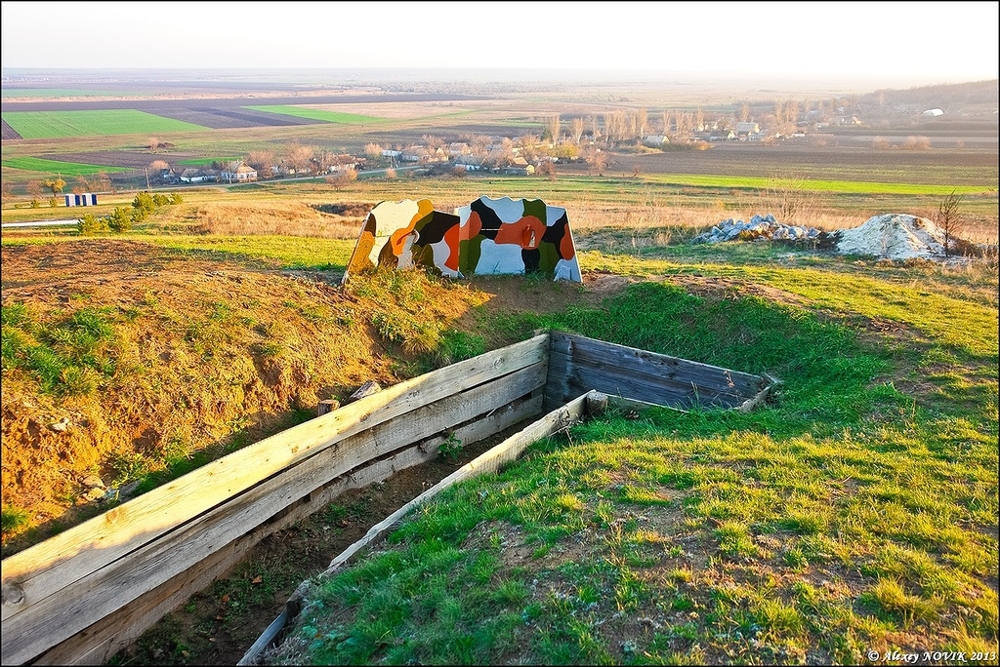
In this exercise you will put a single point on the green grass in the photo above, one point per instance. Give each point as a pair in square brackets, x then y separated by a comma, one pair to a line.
[814, 185]
[105, 122]
[59, 167]
[317, 114]
[68, 354]
[853, 513]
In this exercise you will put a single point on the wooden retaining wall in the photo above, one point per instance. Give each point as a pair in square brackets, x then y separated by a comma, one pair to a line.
[578, 363]
[79, 597]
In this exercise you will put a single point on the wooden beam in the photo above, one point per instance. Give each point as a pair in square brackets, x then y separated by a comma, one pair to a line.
[491, 461]
[45, 568]
[98, 642]
[47, 621]
[585, 350]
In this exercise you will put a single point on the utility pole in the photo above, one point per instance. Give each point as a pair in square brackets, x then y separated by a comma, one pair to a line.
[146, 169]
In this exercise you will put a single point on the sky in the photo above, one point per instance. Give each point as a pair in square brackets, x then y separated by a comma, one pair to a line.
[933, 42]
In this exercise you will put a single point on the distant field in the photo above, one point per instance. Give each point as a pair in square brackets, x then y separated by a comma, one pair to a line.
[318, 114]
[104, 122]
[813, 185]
[205, 161]
[14, 93]
[58, 167]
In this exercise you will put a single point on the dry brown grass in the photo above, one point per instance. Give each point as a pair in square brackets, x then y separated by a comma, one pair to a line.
[278, 218]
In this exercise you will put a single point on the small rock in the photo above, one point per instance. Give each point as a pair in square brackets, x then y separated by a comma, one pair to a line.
[93, 482]
[60, 425]
[94, 493]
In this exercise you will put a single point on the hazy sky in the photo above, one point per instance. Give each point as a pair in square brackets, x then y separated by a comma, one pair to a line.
[932, 41]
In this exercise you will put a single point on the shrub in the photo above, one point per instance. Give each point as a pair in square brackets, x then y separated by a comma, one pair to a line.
[13, 518]
[916, 143]
[120, 220]
[91, 224]
[144, 202]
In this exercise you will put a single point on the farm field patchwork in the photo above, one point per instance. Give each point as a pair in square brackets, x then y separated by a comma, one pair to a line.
[19, 93]
[58, 166]
[318, 114]
[105, 122]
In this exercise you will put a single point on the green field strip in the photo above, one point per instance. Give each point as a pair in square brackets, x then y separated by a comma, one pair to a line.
[811, 185]
[317, 114]
[59, 167]
[104, 122]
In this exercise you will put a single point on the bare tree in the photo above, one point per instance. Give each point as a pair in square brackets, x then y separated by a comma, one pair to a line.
[950, 220]
[81, 185]
[34, 189]
[641, 121]
[666, 122]
[791, 111]
[699, 120]
[554, 128]
[6, 191]
[373, 151]
[744, 112]
[433, 142]
[595, 127]
[342, 178]
[299, 157]
[595, 158]
[262, 161]
[547, 168]
[576, 126]
[104, 183]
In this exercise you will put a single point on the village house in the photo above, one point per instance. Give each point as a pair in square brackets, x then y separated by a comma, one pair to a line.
[343, 162]
[747, 131]
[655, 140]
[721, 135]
[238, 172]
[195, 175]
[469, 162]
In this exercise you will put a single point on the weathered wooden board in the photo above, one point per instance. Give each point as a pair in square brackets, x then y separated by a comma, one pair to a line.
[48, 567]
[491, 461]
[577, 363]
[98, 642]
[585, 350]
[57, 617]
[640, 386]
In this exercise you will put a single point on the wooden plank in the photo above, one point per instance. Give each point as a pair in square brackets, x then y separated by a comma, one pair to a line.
[57, 617]
[491, 461]
[97, 643]
[643, 387]
[100, 641]
[45, 568]
[612, 355]
[557, 390]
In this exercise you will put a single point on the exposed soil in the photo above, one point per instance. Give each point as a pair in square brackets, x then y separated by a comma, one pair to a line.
[229, 350]
[218, 625]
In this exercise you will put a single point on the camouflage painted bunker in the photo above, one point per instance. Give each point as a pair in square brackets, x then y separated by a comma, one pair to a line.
[488, 237]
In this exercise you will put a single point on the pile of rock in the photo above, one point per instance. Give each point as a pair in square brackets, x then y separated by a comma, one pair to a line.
[763, 228]
[896, 236]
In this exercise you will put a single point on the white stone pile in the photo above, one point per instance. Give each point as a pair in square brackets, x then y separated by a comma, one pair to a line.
[764, 228]
[893, 236]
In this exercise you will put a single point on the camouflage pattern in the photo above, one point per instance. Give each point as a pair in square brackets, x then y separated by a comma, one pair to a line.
[488, 237]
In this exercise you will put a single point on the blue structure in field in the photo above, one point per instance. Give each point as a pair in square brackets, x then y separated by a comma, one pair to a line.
[85, 199]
